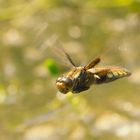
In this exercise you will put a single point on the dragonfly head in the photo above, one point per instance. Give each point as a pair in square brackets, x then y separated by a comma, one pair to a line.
[64, 84]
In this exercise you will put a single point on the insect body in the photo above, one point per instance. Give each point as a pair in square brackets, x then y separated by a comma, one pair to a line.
[81, 78]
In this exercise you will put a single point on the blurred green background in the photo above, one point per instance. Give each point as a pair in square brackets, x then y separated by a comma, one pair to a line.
[30, 106]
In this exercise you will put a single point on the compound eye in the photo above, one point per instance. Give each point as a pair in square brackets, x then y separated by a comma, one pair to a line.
[64, 84]
[67, 80]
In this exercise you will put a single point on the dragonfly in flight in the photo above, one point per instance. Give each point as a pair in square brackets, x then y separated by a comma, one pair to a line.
[80, 78]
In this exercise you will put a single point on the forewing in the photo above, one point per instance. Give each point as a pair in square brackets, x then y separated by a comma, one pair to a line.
[54, 48]
[109, 74]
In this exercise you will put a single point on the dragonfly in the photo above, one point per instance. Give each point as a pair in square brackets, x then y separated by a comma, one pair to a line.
[80, 78]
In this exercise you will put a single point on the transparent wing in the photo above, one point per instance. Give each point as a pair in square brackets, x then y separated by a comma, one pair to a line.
[54, 48]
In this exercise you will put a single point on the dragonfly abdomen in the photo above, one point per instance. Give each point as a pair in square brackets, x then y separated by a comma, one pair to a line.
[111, 75]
